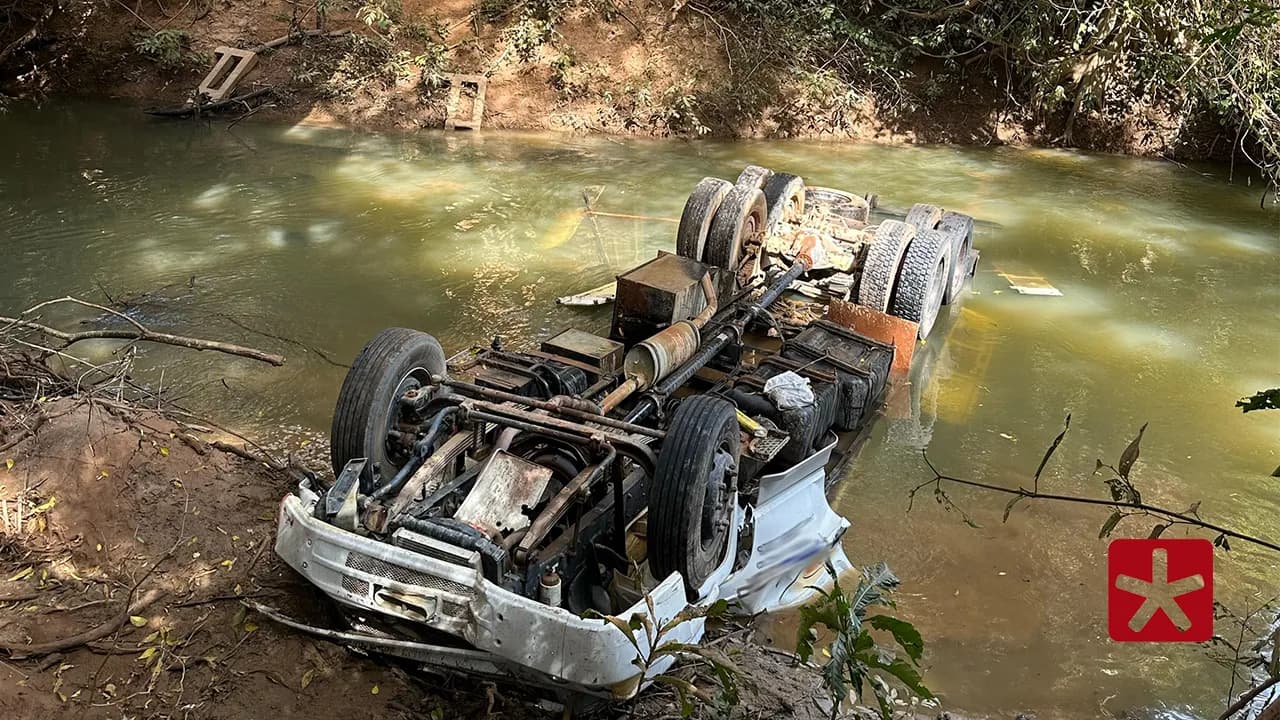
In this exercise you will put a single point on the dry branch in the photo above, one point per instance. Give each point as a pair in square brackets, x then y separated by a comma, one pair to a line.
[189, 110]
[287, 39]
[88, 636]
[139, 332]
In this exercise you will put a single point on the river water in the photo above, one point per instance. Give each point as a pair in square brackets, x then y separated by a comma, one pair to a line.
[1170, 292]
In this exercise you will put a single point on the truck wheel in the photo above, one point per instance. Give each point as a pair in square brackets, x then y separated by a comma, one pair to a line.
[691, 498]
[925, 274]
[959, 228]
[695, 221]
[880, 270]
[784, 196]
[839, 202]
[753, 176]
[827, 196]
[740, 218]
[924, 217]
[395, 361]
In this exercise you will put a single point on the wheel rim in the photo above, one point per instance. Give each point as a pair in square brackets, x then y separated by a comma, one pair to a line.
[413, 379]
[933, 301]
[720, 480]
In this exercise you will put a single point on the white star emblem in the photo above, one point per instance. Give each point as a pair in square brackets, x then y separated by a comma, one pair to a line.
[1161, 593]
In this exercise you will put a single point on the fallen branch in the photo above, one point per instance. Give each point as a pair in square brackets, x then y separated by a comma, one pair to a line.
[287, 39]
[88, 636]
[1248, 698]
[1125, 499]
[26, 38]
[189, 110]
[29, 432]
[1119, 505]
[247, 454]
[139, 332]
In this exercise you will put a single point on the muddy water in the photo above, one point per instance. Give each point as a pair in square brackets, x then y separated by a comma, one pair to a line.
[324, 237]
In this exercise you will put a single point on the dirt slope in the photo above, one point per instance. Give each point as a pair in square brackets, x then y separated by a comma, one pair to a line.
[645, 70]
[104, 505]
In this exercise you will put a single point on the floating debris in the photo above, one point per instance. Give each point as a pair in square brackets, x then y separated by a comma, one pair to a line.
[602, 295]
[1030, 285]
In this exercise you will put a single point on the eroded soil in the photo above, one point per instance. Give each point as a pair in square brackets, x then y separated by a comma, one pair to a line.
[651, 70]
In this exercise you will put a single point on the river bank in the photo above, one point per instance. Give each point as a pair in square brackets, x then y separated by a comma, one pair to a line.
[640, 68]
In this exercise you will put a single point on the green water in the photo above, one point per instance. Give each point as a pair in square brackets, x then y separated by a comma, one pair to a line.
[1169, 280]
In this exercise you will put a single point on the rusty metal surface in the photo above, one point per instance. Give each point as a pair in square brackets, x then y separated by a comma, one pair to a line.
[878, 326]
[507, 485]
[656, 294]
[654, 358]
[584, 347]
[439, 461]
[560, 504]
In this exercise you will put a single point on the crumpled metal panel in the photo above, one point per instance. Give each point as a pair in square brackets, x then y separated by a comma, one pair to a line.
[507, 485]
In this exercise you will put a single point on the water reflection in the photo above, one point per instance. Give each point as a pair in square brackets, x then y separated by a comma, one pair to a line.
[327, 236]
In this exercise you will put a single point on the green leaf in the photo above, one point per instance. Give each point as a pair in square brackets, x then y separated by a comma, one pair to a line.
[137, 620]
[904, 633]
[876, 580]
[1110, 524]
[1049, 453]
[1158, 530]
[905, 673]
[626, 630]
[1130, 454]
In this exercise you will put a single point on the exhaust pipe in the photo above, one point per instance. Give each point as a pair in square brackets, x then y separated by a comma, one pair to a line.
[655, 357]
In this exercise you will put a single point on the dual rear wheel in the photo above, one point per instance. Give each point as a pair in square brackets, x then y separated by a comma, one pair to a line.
[721, 219]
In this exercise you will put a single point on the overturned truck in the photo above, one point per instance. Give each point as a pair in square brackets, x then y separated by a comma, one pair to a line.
[488, 509]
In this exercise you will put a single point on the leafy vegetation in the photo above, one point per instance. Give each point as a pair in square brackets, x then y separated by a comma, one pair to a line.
[855, 663]
[653, 647]
[1261, 400]
[1058, 60]
[166, 47]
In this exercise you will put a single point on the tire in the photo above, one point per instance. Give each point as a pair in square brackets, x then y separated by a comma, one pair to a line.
[740, 218]
[880, 270]
[925, 274]
[827, 196]
[959, 228]
[857, 211]
[695, 221]
[690, 512]
[394, 361]
[924, 217]
[784, 197]
[753, 176]
[839, 202]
